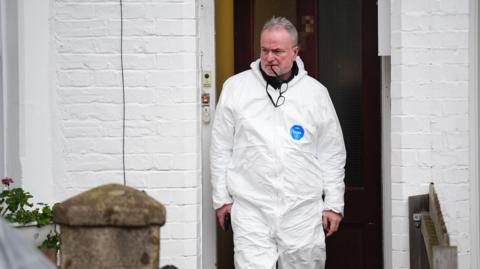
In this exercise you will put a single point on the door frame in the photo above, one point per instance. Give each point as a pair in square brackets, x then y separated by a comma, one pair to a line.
[209, 238]
[386, 162]
[206, 62]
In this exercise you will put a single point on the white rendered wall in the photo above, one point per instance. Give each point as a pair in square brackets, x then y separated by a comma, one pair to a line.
[35, 99]
[429, 117]
[163, 129]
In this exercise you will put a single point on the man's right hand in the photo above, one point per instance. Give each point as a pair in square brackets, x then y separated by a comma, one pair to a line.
[221, 212]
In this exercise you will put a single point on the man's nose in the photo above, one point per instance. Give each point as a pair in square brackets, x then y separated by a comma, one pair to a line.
[270, 56]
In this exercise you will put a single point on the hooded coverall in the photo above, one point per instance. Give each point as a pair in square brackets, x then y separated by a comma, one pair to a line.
[274, 164]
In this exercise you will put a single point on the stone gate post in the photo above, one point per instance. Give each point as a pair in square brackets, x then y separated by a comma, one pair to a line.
[111, 226]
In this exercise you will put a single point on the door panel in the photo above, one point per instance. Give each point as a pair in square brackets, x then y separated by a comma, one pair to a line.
[352, 252]
[350, 68]
[338, 41]
[243, 24]
[340, 70]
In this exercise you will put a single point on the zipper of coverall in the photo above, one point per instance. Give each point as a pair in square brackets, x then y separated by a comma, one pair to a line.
[280, 152]
[276, 169]
[280, 163]
[279, 160]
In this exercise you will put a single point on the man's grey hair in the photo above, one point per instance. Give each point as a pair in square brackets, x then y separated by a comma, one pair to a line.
[282, 22]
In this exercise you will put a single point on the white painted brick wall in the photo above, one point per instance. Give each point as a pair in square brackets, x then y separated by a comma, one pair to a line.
[162, 144]
[429, 116]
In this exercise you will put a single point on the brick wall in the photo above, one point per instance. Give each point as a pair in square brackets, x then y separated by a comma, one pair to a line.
[162, 144]
[429, 116]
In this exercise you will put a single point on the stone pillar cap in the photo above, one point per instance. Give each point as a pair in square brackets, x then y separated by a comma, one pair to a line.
[110, 205]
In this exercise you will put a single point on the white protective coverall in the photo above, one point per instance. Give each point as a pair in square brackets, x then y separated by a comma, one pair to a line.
[274, 164]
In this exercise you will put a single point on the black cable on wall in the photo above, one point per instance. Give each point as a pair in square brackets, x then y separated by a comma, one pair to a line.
[123, 92]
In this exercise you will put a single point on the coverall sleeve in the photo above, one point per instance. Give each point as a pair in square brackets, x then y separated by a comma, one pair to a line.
[332, 155]
[221, 149]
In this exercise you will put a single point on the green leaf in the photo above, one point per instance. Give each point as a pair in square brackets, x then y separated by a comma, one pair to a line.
[44, 217]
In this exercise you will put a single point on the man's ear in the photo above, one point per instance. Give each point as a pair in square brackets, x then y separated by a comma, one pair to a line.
[296, 50]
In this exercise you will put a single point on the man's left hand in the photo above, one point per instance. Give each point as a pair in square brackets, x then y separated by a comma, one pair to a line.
[331, 221]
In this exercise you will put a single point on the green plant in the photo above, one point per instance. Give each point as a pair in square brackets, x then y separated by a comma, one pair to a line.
[16, 208]
[52, 241]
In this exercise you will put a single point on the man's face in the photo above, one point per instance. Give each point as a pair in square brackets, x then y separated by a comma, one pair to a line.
[277, 52]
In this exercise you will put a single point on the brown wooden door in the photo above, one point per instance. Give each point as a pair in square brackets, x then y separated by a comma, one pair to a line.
[339, 47]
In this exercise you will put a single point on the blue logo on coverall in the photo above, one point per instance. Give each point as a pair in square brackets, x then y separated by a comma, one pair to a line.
[297, 132]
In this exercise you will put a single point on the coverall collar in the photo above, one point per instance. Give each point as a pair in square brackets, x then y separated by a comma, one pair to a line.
[255, 66]
[276, 82]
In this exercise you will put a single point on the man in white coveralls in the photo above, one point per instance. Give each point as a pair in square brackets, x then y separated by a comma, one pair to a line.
[277, 148]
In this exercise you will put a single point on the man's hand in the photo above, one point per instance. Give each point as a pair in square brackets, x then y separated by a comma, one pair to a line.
[221, 212]
[331, 221]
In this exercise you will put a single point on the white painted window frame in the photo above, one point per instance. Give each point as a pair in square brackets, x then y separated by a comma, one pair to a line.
[474, 101]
